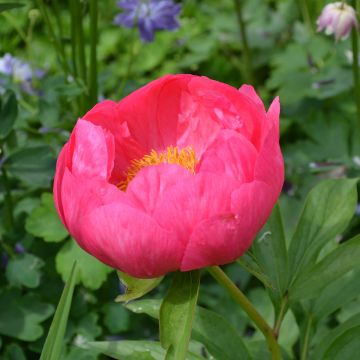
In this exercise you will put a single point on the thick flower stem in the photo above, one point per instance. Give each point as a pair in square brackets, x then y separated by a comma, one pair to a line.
[249, 308]
[248, 74]
[355, 66]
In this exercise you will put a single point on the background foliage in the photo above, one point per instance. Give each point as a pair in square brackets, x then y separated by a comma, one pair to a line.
[300, 267]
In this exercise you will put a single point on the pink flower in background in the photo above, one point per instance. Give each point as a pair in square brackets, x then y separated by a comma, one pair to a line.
[181, 174]
[337, 18]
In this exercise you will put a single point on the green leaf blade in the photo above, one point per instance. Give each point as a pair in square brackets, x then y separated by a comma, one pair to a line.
[328, 210]
[176, 314]
[336, 264]
[53, 345]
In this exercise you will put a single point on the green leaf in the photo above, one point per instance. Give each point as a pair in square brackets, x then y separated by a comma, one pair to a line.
[92, 273]
[24, 270]
[150, 307]
[327, 211]
[129, 349]
[271, 254]
[177, 314]
[8, 112]
[340, 333]
[9, 6]
[44, 222]
[336, 264]
[54, 342]
[134, 350]
[135, 287]
[34, 166]
[219, 337]
[13, 352]
[211, 329]
[116, 318]
[21, 315]
[345, 346]
[332, 299]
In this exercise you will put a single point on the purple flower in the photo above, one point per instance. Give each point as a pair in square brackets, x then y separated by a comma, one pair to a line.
[149, 16]
[337, 18]
[20, 70]
[19, 248]
[7, 64]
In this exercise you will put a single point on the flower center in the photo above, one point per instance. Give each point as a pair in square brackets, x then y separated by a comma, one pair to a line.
[172, 155]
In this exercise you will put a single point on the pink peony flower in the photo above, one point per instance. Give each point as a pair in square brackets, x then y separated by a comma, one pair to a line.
[337, 18]
[181, 174]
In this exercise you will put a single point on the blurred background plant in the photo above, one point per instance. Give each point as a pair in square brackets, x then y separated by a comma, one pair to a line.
[57, 59]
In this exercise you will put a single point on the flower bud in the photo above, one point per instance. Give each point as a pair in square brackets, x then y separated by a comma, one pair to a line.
[337, 18]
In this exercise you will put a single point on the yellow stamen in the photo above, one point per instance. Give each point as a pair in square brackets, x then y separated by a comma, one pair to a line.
[172, 155]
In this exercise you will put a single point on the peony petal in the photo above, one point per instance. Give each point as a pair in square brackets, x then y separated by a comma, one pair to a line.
[92, 151]
[195, 199]
[226, 236]
[59, 173]
[152, 112]
[269, 166]
[131, 241]
[149, 185]
[231, 154]
[234, 110]
[81, 195]
[107, 115]
[250, 92]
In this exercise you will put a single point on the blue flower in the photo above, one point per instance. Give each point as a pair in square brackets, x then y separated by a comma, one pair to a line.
[149, 16]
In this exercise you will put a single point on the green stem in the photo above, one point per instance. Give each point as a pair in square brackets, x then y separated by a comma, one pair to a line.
[281, 315]
[248, 73]
[249, 308]
[57, 44]
[306, 15]
[355, 67]
[8, 219]
[93, 81]
[10, 19]
[305, 347]
[80, 41]
[72, 7]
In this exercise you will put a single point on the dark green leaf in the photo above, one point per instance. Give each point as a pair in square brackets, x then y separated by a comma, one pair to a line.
[271, 254]
[345, 346]
[135, 287]
[219, 337]
[21, 315]
[177, 314]
[331, 299]
[92, 272]
[327, 211]
[116, 318]
[54, 341]
[44, 221]
[9, 6]
[13, 352]
[331, 338]
[34, 166]
[8, 112]
[336, 264]
[24, 270]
